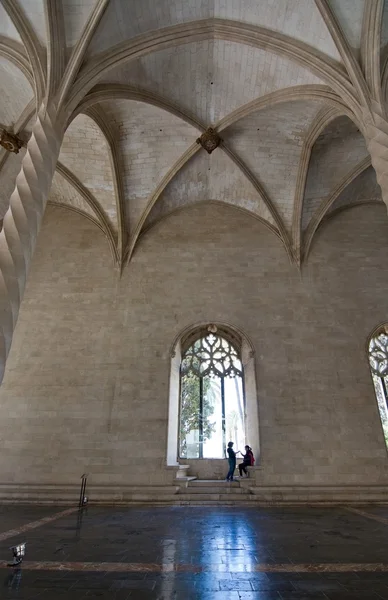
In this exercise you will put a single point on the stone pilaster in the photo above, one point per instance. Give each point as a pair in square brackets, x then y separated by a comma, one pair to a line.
[376, 134]
[22, 222]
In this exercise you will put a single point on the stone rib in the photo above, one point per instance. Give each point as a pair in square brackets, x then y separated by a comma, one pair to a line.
[376, 134]
[22, 223]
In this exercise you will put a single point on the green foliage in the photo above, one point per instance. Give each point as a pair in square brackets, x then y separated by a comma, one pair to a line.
[190, 417]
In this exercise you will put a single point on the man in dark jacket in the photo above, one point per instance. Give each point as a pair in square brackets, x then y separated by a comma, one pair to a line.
[232, 462]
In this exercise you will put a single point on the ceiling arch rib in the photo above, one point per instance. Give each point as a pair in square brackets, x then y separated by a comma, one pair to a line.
[69, 206]
[56, 45]
[269, 143]
[149, 141]
[352, 66]
[111, 136]
[305, 23]
[67, 194]
[230, 33]
[370, 46]
[322, 66]
[349, 14]
[322, 119]
[7, 28]
[328, 202]
[158, 218]
[34, 10]
[384, 27]
[14, 52]
[77, 15]
[31, 44]
[78, 53]
[182, 160]
[338, 149]
[85, 152]
[362, 189]
[107, 91]
[203, 179]
[271, 209]
[16, 93]
[207, 67]
[289, 94]
[93, 204]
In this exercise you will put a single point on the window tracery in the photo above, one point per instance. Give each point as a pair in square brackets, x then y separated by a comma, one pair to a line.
[213, 356]
[378, 362]
[212, 398]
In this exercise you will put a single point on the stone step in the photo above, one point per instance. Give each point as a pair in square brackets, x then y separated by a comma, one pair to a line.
[213, 482]
[220, 497]
[128, 499]
[195, 502]
[215, 489]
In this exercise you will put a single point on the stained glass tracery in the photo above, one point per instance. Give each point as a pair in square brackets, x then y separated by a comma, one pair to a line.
[378, 361]
[212, 356]
[212, 398]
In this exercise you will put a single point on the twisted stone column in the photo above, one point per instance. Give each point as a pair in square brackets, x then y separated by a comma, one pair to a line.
[22, 222]
[376, 135]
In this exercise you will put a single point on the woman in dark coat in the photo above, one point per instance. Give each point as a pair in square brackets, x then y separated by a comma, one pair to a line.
[247, 461]
[232, 461]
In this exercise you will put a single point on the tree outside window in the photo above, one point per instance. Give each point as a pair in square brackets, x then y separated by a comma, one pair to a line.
[212, 401]
[378, 360]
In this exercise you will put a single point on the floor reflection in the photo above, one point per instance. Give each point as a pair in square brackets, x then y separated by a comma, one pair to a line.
[199, 553]
[168, 563]
[229, 542]
[13, 580]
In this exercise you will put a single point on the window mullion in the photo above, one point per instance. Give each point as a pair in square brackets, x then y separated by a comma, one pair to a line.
[223, 416]
[384, 386]
[200, 417]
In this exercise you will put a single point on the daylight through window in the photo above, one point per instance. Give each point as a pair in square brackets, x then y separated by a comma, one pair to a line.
[212, 408]
[378, 360]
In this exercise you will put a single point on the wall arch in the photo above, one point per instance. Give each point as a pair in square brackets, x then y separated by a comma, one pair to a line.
[247, 352]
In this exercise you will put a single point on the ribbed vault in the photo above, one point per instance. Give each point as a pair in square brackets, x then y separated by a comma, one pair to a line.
[138, 82]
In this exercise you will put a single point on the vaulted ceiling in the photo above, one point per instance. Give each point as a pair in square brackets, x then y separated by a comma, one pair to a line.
[156, 73]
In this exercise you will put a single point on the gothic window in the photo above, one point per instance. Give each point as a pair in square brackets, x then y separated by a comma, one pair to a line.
[212, 407]
[378, 360]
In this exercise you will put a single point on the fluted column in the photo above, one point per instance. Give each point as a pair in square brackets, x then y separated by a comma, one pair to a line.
[22, 222]
[376, 135]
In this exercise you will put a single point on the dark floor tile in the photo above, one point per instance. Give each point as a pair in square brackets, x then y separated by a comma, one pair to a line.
[318, 585]
[263, 595]
[56, 595]
[235, 584]
[146, 584]
[372, 585]
[51, 583]
[372, 575]
[21, 594]
[355, 595]
[227, 543]
[136, 576]
[292, 576]
[258, 577]
[283, 584]
[104, 595]
[298, 595]
[221, 595]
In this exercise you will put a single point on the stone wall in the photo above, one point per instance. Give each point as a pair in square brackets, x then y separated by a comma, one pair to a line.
[87, 381]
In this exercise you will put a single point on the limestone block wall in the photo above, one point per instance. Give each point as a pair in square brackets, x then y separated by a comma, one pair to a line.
[87, 381]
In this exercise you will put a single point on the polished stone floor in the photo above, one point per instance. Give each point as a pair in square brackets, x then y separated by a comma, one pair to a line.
[192, 553]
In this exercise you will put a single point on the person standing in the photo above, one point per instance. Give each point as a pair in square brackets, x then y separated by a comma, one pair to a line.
[248, 461]
[232, 461]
